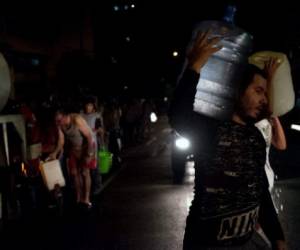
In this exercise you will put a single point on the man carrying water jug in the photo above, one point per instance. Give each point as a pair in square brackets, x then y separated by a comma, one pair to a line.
[231, 188]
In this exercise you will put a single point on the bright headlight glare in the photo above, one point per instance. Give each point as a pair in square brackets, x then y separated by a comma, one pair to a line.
[153, 117]
[182, 143]
[295, 127]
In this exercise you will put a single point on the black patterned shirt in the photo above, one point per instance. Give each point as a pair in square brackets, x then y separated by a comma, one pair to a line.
[231, 190]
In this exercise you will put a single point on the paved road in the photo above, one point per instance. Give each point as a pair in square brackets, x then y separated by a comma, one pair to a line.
[139, 210]
[286, 197]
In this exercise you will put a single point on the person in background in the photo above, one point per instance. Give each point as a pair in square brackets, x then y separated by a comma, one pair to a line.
[272, 132]
[80, 150]
[51, 137]
[111, 118]
[271, 127]
[93, 119]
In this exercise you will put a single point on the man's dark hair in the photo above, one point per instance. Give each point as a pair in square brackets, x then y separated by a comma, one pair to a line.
[90, 100]
[247, 77]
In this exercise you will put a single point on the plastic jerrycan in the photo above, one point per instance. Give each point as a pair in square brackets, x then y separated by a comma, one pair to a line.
[282, 95]
[220, 76]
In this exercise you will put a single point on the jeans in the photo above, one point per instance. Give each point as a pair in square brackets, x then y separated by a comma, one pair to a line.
[255, 243]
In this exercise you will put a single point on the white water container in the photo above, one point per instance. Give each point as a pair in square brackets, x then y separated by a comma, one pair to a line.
[282, 90]
[52, 174]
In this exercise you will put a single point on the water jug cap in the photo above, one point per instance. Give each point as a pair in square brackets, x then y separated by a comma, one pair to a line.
[229, 14]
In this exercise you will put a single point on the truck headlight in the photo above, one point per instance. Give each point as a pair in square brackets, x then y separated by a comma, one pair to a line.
[295, 127]
[182, 143]
[153, 117]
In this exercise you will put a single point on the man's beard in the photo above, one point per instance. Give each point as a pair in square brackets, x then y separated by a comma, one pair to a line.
[249, 120]
[263, 114]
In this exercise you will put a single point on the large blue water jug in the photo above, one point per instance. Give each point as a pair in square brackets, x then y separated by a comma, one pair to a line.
[220, 77]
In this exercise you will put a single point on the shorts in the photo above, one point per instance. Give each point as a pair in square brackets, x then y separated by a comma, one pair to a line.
[75, 161]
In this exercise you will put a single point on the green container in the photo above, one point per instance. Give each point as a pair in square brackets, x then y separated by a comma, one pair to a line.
[105, 161]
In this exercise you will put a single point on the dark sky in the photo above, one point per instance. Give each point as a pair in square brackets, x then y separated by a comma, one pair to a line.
[156, 29]
[161, 23]
[160, 27]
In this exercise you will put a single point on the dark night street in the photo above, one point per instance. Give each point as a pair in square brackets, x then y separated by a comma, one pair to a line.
[139, 208]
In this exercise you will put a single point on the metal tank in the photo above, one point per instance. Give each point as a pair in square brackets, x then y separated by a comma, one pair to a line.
[219, 78]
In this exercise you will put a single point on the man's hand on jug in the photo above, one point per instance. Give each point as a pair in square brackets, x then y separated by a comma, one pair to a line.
[270, 67]
[202, 49]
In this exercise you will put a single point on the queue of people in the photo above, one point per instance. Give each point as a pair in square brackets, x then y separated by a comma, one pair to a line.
[75, 137]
